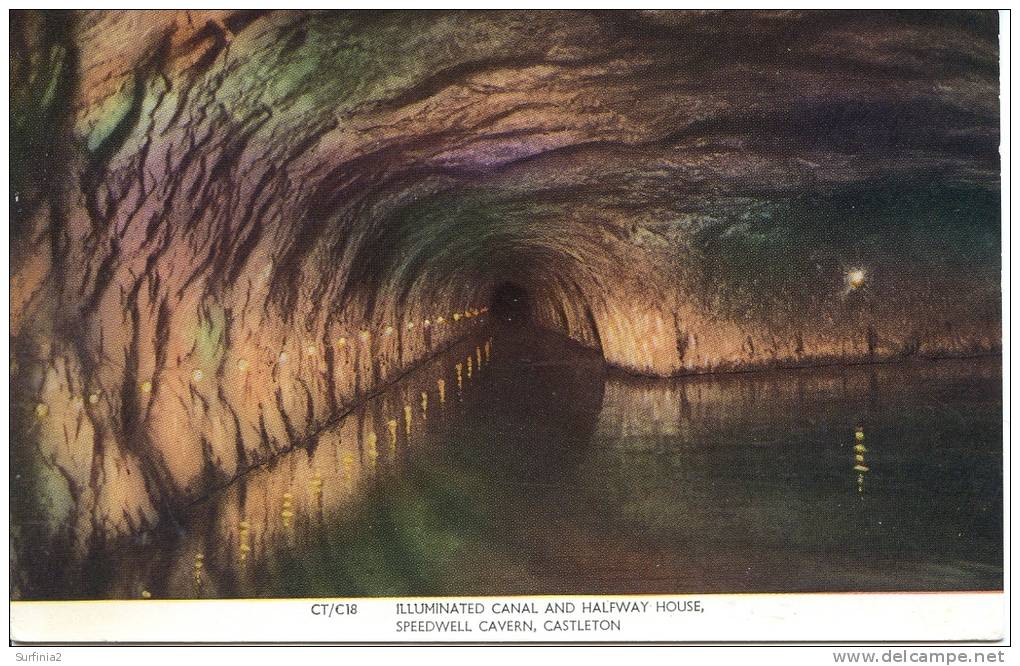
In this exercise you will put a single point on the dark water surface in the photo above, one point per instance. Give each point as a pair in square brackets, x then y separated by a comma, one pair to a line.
[543, 473]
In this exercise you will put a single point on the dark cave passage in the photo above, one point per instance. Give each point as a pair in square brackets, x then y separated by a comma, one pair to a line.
[235, 232]
[511, 304]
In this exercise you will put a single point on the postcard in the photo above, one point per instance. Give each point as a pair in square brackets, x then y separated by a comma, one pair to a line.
[506, 326]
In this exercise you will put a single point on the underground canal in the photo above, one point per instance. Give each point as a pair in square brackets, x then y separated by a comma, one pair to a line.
[535, 470]
[315, 304]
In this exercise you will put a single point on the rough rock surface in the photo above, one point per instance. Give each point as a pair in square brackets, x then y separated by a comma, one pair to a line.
[228, 226]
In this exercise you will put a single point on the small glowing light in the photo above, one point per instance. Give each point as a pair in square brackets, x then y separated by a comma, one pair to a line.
[94, 398]
[364, 335]
[440, 320]
[197, 376]
[856, 278]
[389, 330]
[146, 594]
[146, 387]
[410, 325]
[77, 402]
[42, 410]
[456, 316]
[242, 364]
[310, 350]
[341, 342]
[283, 358]
[427, 323]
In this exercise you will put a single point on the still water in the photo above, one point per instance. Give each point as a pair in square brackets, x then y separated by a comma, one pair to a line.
[537, 471]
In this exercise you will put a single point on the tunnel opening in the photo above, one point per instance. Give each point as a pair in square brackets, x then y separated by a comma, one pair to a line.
[511, 304]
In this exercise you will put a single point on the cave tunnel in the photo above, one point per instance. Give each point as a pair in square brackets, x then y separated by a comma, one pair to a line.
[244, 237]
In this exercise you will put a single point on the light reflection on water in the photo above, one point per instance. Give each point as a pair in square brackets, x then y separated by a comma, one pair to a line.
[539, 473]
[235, 543]
[754, 482]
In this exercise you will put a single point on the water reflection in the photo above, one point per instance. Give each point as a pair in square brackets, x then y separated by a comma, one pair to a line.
[545, 474]
[745, 477]
[859, 463]
[233, 543]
